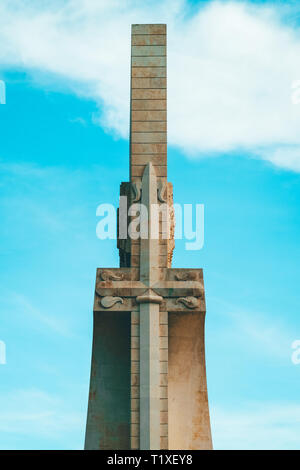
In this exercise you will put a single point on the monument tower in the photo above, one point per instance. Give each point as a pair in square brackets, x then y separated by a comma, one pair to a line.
[148, 380]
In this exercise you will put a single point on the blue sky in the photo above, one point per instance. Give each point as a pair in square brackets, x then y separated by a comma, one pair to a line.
[233, 146]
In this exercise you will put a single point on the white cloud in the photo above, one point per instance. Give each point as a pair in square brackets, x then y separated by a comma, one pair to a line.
[34, 412]
[257, 426]
[230, 68]
[257, 332]
[287, 156]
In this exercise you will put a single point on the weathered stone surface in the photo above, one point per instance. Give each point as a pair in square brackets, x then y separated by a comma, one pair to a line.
[149, 83]
[148, 105]
[135, 353]
[110, 372]
[155, 159]
[138, 170]
[148, 72]
[148, 137]
[149, 51]
[149, 148]
[191, 429]
[148, 29]
[148, 126]
[149, 115]
[164, 354]
[164, 443]
[148, 40]
[148, 94]
[148, 61]
[162, 402]
[163, 318]
[164, 417]
[135, 404]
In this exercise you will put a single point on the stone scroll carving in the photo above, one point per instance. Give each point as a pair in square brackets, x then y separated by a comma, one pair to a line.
[161, 192]
[137, 191]
[185, 276]
[110, 301]
[189, 302]
[111, 276]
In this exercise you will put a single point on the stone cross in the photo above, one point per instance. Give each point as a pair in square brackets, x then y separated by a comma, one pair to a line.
[146, 288]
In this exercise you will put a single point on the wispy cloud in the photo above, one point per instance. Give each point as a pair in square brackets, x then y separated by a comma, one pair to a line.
[28, 312]
[257, 332]
[285, 156]
[43, 195]
[32, 412]
[230, 67]
[263, 334]
[257, 426]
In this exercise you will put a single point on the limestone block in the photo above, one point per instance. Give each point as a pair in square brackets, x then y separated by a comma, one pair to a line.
[163, 404]
[148, 105]
[148, 137]
[135, 417]
[147, 51]
[164, 442]
[148, 72]
[135, 430]
[137, 170]
[143, 82]
[148, 61]
[135, 392]
[148, 94]
[164, 367]
[135, 404]
[148, 29]
[148, 40]
[149, 126]
[149, 116]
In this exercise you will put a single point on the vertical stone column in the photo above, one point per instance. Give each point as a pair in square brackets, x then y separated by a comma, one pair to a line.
[148, 106]
[135, 381]
[149, 319]
[148, 132]
[149, 377]
[163, 343]
[148, 143]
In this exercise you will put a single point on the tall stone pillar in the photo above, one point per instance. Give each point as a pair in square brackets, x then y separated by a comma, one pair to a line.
[148, 380]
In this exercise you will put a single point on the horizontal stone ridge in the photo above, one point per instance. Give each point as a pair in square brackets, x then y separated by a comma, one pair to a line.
[148, 61]
[148, 126]
[149, 29]
[148, 105]
[148, 72]
[149, 115]
[148, 137]
[155, 82]
[148, 40]
[148, 51]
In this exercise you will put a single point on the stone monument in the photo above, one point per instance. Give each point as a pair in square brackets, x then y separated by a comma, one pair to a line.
[148, 380]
